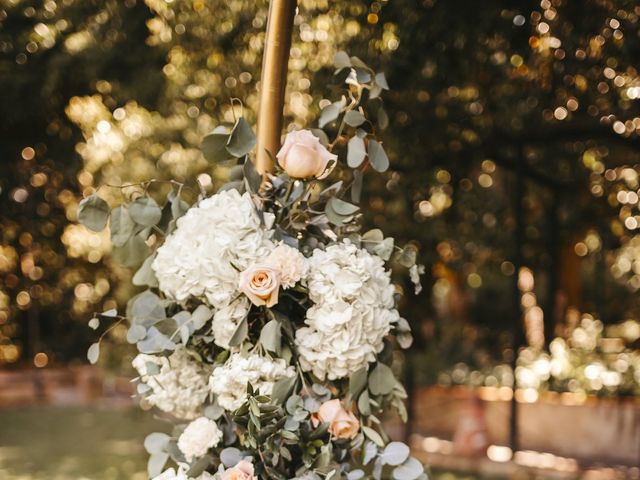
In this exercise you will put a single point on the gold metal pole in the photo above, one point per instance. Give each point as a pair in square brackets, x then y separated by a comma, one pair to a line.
[274, 81]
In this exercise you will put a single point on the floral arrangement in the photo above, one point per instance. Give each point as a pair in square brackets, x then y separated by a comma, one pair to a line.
[268, 323]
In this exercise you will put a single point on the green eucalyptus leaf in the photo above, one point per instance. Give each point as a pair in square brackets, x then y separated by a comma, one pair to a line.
[356, 152]
[324, 139]
[384, 249]
[145, 276]
[145, 211]
[395, 453]
[146, 309]
[356, 186]
[93, 213]
[281, 389]
[332, 216]
[214, 412]
[377, 156]
[372, 435]
[251, 175]
[93, 353]
[213, 147]
[341, 207]
[341, 60]
[364, 403]
[381, 80]
[199, 466]
[381, 380]
[178, 207]
[242, 139]
[369, 452]
[241, 332]
[407, 257]
[271, 336]
[230, 457]
[156, 463]
[358, 63]
[363, 76]
[354, 118]
[236, 185]
[94, 323]
[329, 113]
[356, 474]
[136, 333]
[409, 470]
[155, 342]
[156, 442]
[357, 381]
[200, 316]
[405, 340]
[236, 173]
[375, 91]
[373, 236]
[121, 225]
[132, 253]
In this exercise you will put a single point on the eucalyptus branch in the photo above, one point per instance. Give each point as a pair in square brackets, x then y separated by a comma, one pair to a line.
[120, 320]
[147, 183]
[352, 105]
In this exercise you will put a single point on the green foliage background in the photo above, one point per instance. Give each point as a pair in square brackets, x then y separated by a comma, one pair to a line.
[111, 92]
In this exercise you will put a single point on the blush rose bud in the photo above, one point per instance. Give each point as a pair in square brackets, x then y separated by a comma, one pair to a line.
[303, 156]
[342, 423]
[260, 283]
[242, 471]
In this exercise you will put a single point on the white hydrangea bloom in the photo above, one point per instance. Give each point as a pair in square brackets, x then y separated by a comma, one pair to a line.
[199, 436]
[229, 382]
[353, 311]
[226, 320]
[289, 263]
[212, 243]
[179, 388]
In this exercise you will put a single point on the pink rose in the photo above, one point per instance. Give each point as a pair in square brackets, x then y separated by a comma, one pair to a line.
[260, 283]
[303, 156]
[242, 471]
[342, 423]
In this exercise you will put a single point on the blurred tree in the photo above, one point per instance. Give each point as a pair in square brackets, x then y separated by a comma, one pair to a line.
[50, 274]
[481, 95]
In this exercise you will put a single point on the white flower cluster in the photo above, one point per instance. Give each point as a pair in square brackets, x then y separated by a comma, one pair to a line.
[226, 320]
[199, 436]
[229, 382]
[212, 243]
[180, 474]
[180, 386]
[353, 311]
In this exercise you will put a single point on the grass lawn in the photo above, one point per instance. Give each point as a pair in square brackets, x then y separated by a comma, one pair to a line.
[54, 443]
[86, 443]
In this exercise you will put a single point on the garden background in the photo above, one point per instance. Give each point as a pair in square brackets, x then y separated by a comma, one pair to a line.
[513, 133]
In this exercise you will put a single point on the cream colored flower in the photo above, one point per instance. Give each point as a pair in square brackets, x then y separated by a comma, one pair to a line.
[179, 388]
[261, 284]
[242, 471]
[303, 156]
[213, 240]
[352, 313]
[199, 436]
[229, 381]
[343, 424]
[289, 264]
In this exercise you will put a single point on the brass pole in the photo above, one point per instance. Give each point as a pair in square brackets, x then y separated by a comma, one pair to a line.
[273, 81]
